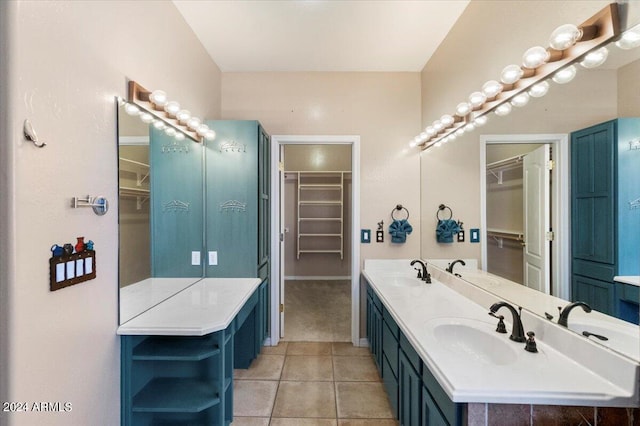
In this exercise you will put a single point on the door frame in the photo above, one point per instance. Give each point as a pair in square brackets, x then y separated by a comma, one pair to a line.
[560, 201]
[276, 142]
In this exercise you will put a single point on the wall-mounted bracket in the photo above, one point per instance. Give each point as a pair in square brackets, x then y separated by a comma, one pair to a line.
[99, 204]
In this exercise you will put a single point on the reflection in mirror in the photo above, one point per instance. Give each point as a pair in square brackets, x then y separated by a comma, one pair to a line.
[160, 215]
[614, 86]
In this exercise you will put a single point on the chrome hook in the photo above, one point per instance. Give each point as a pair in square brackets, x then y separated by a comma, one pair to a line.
[30, 134]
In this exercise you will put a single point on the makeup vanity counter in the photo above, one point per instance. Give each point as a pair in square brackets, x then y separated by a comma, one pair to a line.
[632, 280]
[178, 357]
[567, 370]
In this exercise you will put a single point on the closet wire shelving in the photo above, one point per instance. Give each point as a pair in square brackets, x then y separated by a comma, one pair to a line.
[142, 171]
[320, 212]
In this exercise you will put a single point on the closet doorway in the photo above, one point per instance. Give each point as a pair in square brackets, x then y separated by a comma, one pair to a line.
[315, 256]
[524, 204]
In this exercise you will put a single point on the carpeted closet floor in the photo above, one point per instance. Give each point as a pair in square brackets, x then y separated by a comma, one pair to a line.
[317, 311]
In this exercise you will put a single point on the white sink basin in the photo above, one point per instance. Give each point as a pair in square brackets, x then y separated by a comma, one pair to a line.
[625, 340]
[478, 279]
[474, 340]
[405, 282]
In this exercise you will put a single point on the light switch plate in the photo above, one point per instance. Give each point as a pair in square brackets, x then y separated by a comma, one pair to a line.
[365, 236]
[213, 258]
[474, 236]
[195, 258]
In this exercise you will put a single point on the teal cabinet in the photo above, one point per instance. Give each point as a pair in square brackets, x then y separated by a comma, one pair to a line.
[628, 302]
[237, 199]
[605, 178]
[390, 354]
[374, 327]
[410, 388]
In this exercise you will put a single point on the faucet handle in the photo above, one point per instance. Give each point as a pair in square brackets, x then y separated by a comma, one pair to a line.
[530, 345]
[501, 327]
[419, 272]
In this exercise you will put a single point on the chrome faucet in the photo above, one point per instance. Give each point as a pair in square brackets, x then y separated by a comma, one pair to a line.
[564, 314]
[517, 333]
[424, 274]
[452, 264]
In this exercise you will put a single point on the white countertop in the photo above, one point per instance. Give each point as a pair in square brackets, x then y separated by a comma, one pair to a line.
[138, 297]
[206, 306]
[630, 279]
[547, 377]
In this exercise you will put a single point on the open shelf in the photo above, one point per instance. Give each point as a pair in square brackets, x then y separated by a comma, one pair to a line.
[175, 395]
[168, 349]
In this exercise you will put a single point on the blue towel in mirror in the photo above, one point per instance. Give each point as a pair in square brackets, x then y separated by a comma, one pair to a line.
[399, 230]
[446, 229]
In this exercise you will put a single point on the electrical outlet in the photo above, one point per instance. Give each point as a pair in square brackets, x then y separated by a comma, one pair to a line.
[213, 258]
[379, 236]
[195, 258]
[461, 236]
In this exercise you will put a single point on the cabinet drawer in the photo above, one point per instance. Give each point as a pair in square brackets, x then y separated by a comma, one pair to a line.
[246, 309]
[390, 348]
[595, 270]
[391, 385]
[374, 298]
[630, 293]
[388, 319]
[451, 411]
[410, 353]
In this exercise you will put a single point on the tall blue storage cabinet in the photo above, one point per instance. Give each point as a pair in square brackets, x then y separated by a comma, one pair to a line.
[237, 215]
[605, 221]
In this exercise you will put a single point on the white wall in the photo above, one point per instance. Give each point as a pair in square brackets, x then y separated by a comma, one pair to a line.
[66, 61]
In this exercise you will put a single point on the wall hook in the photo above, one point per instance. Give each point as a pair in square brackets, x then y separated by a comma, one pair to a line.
[99, 204]
[30, 134]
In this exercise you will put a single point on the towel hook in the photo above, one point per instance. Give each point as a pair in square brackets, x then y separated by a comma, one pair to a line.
[441, 207]
[399, 207]
[30, 134]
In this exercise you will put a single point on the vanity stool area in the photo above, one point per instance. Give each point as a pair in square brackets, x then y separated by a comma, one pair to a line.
[178, 357]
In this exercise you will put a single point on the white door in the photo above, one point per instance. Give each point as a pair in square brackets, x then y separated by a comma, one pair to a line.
[281, 235]
[537, 221]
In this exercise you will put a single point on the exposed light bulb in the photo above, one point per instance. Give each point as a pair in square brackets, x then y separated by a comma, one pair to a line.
[629, 39]
[453, 136]
[503, 109]
[183, 116]
[480, 121]
[438, 144]
[565, 75]
[179, 136]
[469, 127]
[539, 90]
[463, 109]
[491, 88]
[520, 100]
[534, 57]
[430, 131]
[159, 124]
[202, 129]
[193, 123]
[131, 109]
[210, 135]
[446, 120]
[172, 108]
[423, 136]
[595, 58]
[437, 125]
[510, 74]
[146, 117]
[170, 131]
[413, 143]
[476, 99]
[158, 98]
[565, 36]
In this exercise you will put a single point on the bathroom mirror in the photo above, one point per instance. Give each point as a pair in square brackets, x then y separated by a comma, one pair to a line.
[160, 215]
[596, 95]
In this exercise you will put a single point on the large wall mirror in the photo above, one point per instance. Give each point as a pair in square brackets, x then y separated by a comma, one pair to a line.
[596, 95]
[160, 214]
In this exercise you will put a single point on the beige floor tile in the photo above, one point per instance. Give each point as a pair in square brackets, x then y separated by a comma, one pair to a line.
[265, 367]
[250, 421]
[309, 348]
[362, 400]
[303, 422]
[281, 349]
[347, 349]
[367, 422]
[305, 399]
[253, 398]
[308, 368]
[355, 369]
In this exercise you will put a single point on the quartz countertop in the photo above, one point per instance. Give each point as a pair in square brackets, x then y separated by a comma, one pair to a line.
[553, 376]
[202, 308]
[629, 279]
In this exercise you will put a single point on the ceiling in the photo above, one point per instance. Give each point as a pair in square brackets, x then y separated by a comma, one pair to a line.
[320, 35]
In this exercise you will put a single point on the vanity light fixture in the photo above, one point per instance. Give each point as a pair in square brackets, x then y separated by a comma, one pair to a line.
[156, 108]
[568, 44]
[630, 39]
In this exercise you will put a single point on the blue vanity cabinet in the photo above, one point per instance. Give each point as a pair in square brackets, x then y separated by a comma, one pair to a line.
[628, 302]
[237, 199]
[390, 358]
[176, 197]
[410, 388]
[374, 327]
[605, 215]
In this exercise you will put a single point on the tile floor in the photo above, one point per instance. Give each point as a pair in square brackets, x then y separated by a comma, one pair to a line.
[311, 384]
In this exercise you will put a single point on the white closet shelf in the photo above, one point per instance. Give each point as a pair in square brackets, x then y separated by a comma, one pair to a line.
[333, 219]
[501, 234]
[320, 251]
[321, 202]
[320, 235]
[497, 168]
[135, 192]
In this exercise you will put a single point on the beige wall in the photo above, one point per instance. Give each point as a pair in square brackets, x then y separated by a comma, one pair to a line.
[383, 108]
[450, 174]
[66, 62]
[629, 90]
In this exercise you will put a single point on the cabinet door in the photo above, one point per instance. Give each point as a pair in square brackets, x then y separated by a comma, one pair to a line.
[431, 415]
[597, 294]
[410, 386]
[593, 193]
[263, 196]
